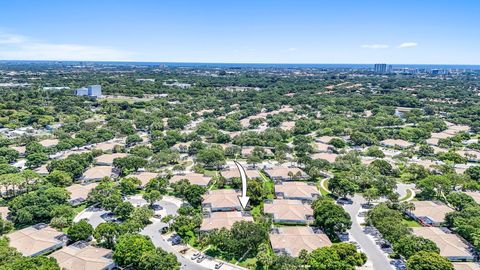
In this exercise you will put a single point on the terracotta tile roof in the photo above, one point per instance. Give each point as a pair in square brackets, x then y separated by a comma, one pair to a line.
[436, 211]
[222, 198]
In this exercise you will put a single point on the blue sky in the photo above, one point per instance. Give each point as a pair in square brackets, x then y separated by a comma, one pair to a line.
[243, 31]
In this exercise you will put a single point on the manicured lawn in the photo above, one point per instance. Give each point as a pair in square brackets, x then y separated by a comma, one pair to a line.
[323, 191]
[409, 193]
[411, 223]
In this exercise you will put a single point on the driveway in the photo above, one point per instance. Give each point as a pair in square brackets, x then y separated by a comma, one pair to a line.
[94, 216]
[377, 259]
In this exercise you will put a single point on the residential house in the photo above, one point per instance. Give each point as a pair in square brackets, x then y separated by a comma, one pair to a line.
[221, 200]
[297, 191]
[429, 213]
[289, 211]
[451, 245]
[218, 220]
[82, 256]
[293, 239]
[37, 240]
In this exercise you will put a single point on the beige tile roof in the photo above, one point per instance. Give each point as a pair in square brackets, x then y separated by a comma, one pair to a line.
[97, 172]
[222, 198]
[49, 142]
[277, 172]
[80, 191]
[322, 147]
[288, 210]
[450, 244]
[396, 142]
[326, 139]
[297, 190]
[20, 149]
[30, 241]
[106, 146]
[294, 239]
[4, 212]
[288, 125]
[144, 177]
[475, 195]
[86, 258]
[193, 178]
[436, 211]
[466, 266]
[330, 157]
[42, 169]
[108, 158]
[218, 220]
[234, 173]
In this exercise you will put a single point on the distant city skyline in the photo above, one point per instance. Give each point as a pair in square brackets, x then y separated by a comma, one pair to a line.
[214, 31]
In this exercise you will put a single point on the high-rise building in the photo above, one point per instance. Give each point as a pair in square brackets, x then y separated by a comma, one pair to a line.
[91, 91]
[81, 91]
[94, 90]
[380, 68]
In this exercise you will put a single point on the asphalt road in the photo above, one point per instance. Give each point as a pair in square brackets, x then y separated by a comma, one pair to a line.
[375, 255]
[153, 231]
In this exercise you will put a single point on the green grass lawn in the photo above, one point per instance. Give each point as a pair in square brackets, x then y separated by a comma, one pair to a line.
[409, 193]
[323, 191]
[411, 223]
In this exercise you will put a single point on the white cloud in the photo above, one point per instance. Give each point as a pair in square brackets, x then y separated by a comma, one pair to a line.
[407, 45]
[292, 49]
[16, 47]
[11, 39]
[375, 46]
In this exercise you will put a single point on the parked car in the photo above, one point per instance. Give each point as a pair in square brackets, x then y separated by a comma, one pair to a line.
[195, 255]
[157, 216]
[218, 265]
[343, 201]
[201, 258]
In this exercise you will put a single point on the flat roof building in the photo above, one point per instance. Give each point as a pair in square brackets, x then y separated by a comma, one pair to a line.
[293, 239]
[37, 240]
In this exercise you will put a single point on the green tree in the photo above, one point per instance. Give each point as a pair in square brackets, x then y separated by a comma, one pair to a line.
[106, 234]
[124, 210]
[425, 260]
[152, 196]
[409, 245]
[159, 259]
[81, 230]
[330, 217]
[60, 178]
[130, 248]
